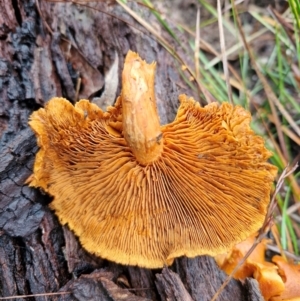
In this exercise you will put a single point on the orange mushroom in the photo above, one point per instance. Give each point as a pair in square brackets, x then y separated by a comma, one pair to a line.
[290, 274]
[278, 281]
[227, 262]
[138, 193]
[254, 266]
[269, 281]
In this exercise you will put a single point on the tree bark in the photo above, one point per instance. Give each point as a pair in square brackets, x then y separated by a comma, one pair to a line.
[50, 49]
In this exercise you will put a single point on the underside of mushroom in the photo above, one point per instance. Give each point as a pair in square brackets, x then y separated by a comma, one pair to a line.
[138, 193]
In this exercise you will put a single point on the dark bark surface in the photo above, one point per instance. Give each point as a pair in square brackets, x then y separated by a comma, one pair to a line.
[46, 51]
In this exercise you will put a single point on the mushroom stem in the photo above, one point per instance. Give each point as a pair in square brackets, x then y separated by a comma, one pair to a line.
[140, 119]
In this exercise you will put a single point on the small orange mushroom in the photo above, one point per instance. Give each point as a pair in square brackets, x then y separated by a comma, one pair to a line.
[290, 274]
[278, 281]
[227, 262]
[269, 281]
[138, 193]
[254, 266]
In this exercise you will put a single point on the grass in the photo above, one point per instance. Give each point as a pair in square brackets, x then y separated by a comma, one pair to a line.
[273, 97]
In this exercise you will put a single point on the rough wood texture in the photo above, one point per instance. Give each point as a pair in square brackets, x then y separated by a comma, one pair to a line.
[41, 58]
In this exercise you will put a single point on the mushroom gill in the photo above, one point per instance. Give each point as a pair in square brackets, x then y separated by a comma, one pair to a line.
[138, 193]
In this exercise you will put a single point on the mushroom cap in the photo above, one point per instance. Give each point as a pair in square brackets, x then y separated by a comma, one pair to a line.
[208, 190]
